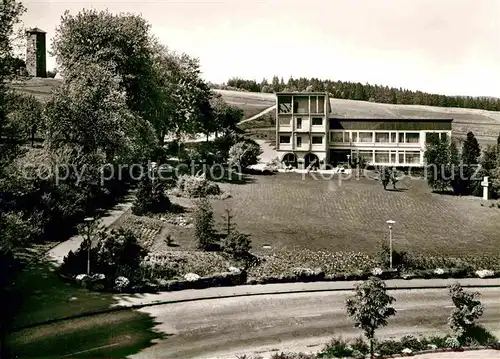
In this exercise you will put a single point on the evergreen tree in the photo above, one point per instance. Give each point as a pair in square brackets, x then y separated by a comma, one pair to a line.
[204, 225]
[439, 165]
[372, 93]
[456, 182]
[470, 160]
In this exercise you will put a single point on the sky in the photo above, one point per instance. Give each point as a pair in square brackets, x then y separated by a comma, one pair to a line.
[448, 47]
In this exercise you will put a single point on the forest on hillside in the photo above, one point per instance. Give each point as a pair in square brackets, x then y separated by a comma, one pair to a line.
[366, 92]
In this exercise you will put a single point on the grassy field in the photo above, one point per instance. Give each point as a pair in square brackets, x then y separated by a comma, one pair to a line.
[40, 296]
[286, 211]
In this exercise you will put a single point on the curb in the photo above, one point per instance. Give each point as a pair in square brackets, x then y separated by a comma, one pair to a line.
[165, 302]
[436, 351]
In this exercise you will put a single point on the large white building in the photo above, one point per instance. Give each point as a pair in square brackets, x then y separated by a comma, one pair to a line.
[307, 131]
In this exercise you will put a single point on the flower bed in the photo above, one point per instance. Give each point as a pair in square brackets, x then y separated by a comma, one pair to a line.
[146, 229]
[285, 263]
[179, 263]
[168, 270]
[284, 267]
[469, 263]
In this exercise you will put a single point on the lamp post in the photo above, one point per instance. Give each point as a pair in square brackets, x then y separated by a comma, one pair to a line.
[153, 168]
[349, 161]
[88, 223]
[390, 222]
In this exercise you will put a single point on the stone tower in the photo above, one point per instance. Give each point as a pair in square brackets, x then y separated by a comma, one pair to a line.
[36, 56]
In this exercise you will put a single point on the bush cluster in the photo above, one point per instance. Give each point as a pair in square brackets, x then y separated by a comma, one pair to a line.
[117, 254]
[197, 186]
[358, 348]
[244, 154]
[151, 198]
[237, 245]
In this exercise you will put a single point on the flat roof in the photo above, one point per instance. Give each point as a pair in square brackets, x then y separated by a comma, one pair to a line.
[395, 119]
[309, 93]
[35, 30]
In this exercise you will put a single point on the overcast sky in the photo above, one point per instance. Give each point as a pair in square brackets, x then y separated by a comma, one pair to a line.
[442, 46]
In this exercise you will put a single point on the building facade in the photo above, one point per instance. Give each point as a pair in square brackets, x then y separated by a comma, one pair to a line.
[36, 53]
[307, 132]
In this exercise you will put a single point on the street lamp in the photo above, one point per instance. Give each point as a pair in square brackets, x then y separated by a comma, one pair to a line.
[152, 168]
[390, 222]
[88, 224]
[349, 161]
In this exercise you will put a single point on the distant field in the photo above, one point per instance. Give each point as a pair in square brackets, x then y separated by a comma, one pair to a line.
[484, 124]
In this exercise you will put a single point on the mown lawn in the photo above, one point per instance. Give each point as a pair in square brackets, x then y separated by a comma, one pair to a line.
[288, 211]
[114, 335]
[39, 295]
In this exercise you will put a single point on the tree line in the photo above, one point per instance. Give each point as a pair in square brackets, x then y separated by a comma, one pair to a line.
[462, 170]
[362, 92]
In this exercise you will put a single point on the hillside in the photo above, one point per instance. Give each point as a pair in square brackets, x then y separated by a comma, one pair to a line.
[484, 124]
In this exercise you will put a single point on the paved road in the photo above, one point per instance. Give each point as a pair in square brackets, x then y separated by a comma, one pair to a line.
[224, 328]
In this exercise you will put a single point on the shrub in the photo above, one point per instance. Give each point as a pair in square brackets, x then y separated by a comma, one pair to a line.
[244, 154]
[273, 165]
[75, 263]
[478, 334]
[337, 347]
[399, 259]
[206, 152]
[151, 198]
[412, 342]
[119, 248]
[292, 356]
[237, 245]
[360, 345]
[204, 232]
[452, 342]
[118, 253]
[438, 341]
[197, 186]
[389, 347]
[467, 309]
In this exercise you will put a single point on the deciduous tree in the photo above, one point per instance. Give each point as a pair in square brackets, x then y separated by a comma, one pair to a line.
[10, 15]
[89, 113]
[370, 308]
[244, 154]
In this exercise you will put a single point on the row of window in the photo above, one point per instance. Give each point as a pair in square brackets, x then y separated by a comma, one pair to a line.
[315, 121]
[301, 104]
[379, 137]
[315, 140]
[392, 157]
